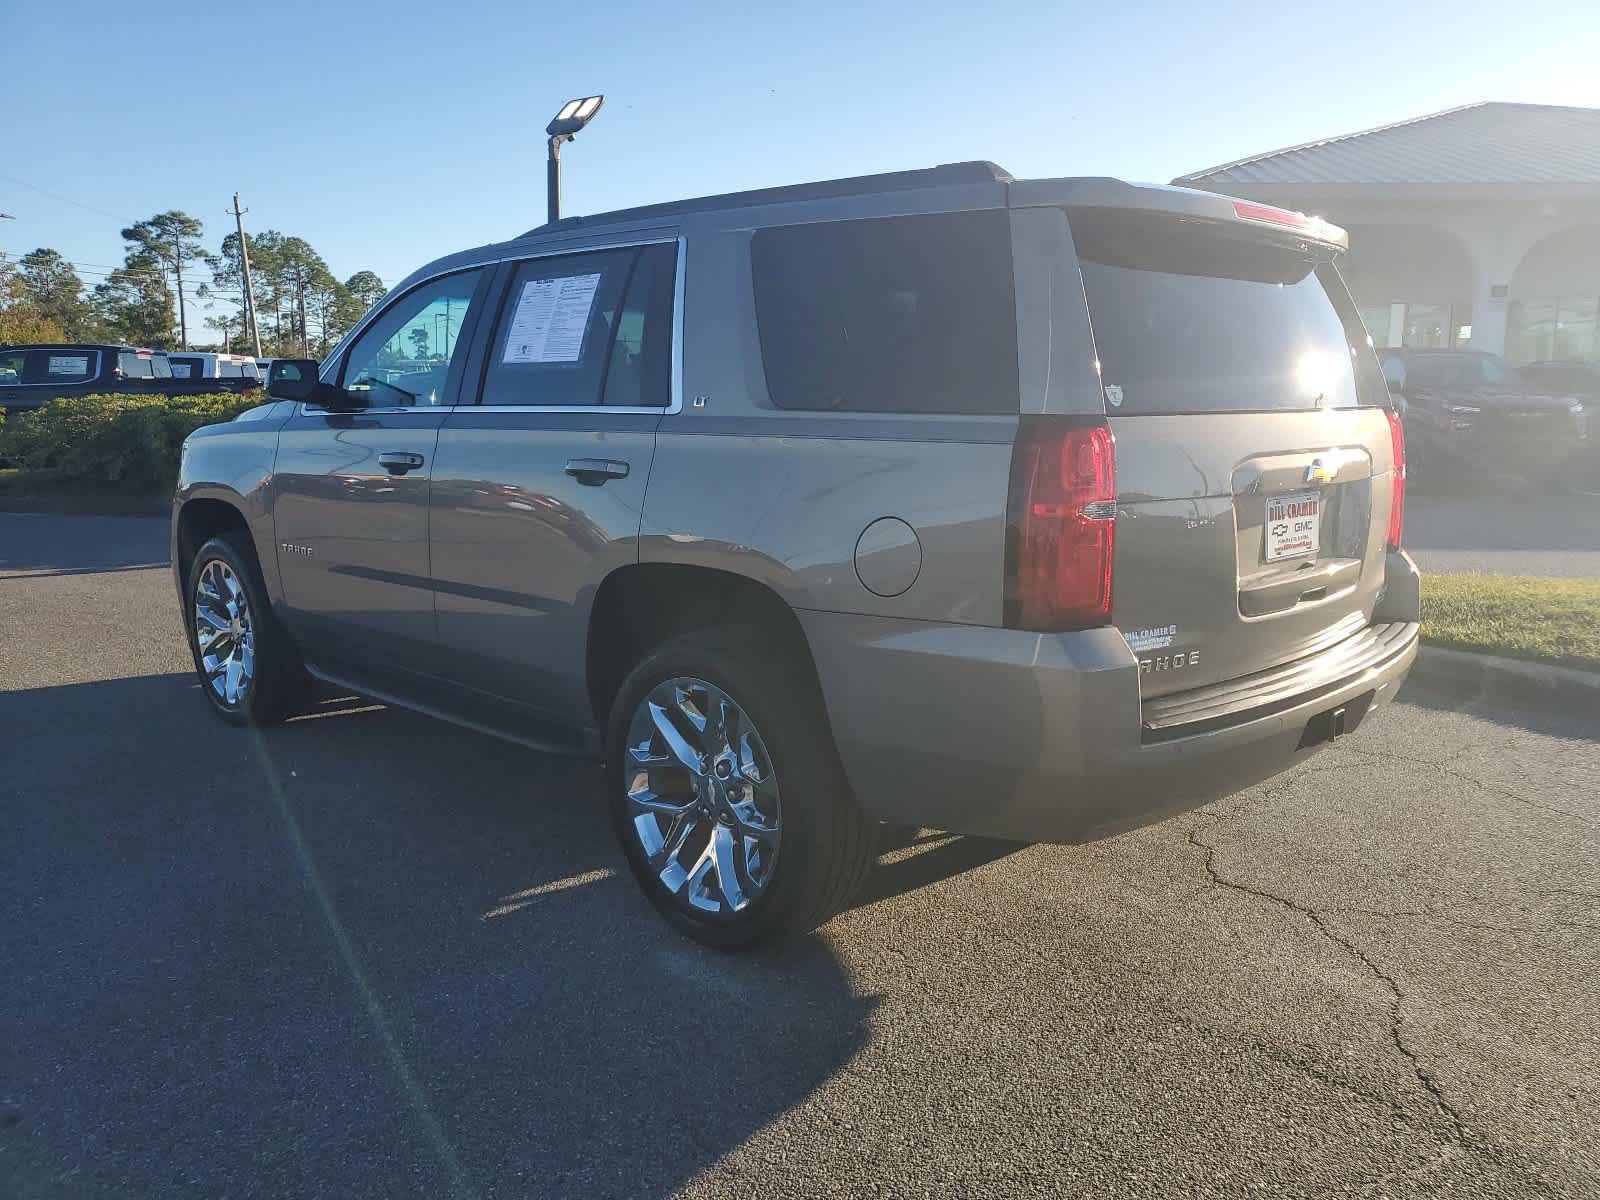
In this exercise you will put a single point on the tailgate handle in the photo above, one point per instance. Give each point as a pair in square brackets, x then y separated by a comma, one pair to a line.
[1278, 593]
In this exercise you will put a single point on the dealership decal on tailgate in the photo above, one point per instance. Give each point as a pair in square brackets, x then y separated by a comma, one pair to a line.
[1293, 523]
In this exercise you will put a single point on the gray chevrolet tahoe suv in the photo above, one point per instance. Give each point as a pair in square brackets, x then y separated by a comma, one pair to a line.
[1034, 509]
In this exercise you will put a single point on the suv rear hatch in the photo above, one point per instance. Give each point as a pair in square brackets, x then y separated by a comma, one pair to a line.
[1253, 445]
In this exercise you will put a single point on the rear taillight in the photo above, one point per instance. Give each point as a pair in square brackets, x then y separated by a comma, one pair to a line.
[1062, 524]
[1397, 500]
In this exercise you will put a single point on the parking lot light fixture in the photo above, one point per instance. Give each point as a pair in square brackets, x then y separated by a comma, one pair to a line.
[572, 116]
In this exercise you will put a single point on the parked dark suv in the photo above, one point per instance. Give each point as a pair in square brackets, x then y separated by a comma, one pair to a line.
[34, 375]
[1468, 416]
[1034, 509]
[1581, 381]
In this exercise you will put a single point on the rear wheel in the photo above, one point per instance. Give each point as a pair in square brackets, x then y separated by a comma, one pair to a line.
[248, 667]
[727, 792]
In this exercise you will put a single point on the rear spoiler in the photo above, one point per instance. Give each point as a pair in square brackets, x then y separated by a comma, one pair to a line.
[1180, 202]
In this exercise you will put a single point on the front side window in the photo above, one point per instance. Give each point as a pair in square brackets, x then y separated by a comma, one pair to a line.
[583, 329]
[403, 359]
[135, 365]
[897, 315]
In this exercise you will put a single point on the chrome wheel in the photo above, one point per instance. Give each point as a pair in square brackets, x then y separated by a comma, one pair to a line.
[702, 797]
[224, 633]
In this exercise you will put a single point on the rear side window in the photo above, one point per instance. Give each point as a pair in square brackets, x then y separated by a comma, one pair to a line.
[894, 315]
[47, 366]
[186, 368]
[1191, 317]
[586, 329]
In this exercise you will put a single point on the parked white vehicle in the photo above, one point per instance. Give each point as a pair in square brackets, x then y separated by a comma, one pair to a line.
[215, 366]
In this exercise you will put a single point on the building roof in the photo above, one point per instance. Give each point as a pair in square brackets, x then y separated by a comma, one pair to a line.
[1485, 143]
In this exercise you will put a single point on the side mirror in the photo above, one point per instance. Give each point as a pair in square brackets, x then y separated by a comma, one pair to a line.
[292, 379]
[296, 379]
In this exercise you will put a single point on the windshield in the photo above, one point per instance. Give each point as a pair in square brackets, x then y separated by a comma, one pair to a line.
[1492, 369]
[1460, 371]
[1188, 318]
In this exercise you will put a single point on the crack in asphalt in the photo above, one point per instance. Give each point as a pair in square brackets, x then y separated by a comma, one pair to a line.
[1461, 1135]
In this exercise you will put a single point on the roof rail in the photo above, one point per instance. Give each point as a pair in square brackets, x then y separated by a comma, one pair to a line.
[858, 185]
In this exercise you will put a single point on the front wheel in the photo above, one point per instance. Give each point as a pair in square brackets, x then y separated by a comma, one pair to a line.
[248, 667]
[727, 792]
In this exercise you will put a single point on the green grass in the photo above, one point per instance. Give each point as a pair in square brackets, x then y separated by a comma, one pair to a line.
[1519, 616]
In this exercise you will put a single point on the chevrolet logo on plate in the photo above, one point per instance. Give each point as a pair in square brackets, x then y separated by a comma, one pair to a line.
[1317, 473]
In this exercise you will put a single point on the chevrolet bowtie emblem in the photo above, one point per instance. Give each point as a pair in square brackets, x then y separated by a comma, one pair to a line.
[1317, 473]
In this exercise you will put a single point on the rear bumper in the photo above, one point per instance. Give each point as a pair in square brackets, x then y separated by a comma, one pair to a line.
[1039, 737]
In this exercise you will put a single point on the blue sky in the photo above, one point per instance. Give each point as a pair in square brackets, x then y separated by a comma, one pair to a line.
[388, 136]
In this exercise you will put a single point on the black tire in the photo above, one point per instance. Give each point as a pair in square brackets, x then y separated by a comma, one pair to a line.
[827, 844]
[280, 686]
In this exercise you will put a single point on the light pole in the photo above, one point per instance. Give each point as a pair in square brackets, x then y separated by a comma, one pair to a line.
[574, 115]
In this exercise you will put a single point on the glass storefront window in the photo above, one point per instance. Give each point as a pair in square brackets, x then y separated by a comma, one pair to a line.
[1427, 327]
[1376, 318]
[1565, 329]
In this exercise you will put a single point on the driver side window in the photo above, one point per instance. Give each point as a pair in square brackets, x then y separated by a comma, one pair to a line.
[403, 358]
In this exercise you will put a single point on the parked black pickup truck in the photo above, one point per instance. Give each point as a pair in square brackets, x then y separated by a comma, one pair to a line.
[31, 376]
[1469, 416]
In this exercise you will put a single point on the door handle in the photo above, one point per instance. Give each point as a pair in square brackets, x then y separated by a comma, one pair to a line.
[398, 462]
[592, 472]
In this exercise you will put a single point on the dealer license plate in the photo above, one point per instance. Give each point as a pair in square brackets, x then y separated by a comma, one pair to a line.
[1293, 524]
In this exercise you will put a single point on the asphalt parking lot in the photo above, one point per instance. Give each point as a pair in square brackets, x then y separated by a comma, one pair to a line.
[367, 954]
[1527, 533]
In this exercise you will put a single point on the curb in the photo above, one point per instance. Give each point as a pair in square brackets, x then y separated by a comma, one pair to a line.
[77, 504]
[1534, 681]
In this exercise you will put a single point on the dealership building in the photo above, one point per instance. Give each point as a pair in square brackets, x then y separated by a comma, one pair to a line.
[1476, 227]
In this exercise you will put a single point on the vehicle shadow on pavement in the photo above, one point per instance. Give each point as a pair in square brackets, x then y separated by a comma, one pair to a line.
[82, 545]
[1553, 715]
[363, 954]
[916, 859]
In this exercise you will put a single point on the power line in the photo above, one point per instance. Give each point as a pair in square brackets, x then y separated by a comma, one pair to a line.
[62, 199]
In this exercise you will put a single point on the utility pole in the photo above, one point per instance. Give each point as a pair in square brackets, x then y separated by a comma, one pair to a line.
[177, 272]
[249, 288]
[300, 303]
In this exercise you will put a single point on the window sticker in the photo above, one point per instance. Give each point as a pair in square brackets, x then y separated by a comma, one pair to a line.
[551, 317]
[180, 370]
[68, 364]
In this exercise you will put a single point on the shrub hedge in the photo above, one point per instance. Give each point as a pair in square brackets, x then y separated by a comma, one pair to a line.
[110, 441]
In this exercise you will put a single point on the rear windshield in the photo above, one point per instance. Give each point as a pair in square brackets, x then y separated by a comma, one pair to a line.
[1191, 317]
[47, 366]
